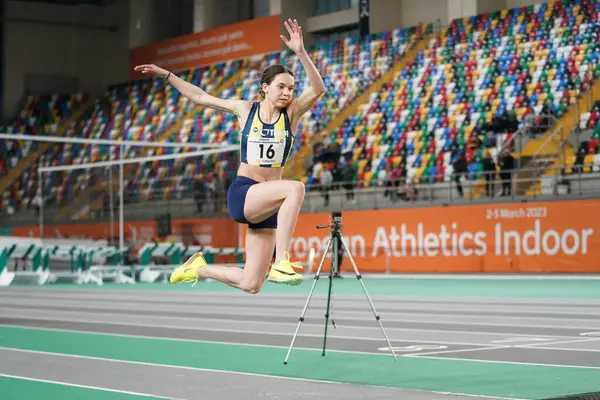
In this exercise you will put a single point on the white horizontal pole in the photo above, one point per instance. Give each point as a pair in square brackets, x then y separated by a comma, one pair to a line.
[106, 142]
[138, 160]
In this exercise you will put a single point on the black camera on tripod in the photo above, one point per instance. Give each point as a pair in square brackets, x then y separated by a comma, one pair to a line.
[335, 223]
[336, 219]
[337, 250]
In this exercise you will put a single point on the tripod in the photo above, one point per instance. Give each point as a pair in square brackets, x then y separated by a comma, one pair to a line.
[335, 239]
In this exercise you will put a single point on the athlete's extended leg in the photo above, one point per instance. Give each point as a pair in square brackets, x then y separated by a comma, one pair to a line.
[259, 250]
[267, 198]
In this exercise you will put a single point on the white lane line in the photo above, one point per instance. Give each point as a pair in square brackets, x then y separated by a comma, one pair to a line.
[413, 318]
[267, 299]
[551, 346]
[506, 362]
[548, 342]
[418, 347]
[97, 318]
[319, 349]
[457, 351]
[232, 308]
[103, 389]
[559, 342]
[520, 339]
[246, 373]
[564, 349]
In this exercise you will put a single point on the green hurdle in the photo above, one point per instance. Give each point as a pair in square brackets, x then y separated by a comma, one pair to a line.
[3, 259]
[211, 252]
[113, 255]
[29, 252]
[75, 255]
[171, 250]
[178, 253]
[6, 277]
[80, 266]
[33, 253]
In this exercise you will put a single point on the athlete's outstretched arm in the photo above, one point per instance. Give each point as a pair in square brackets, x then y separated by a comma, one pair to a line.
[316, 89]
[193, 92]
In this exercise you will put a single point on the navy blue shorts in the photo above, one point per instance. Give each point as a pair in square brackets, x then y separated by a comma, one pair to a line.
[236, 198]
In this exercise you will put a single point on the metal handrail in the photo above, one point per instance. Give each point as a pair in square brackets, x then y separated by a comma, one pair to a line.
[559, 128]
[522, 130]
[445, 179]
[552, 170]
[385, 194]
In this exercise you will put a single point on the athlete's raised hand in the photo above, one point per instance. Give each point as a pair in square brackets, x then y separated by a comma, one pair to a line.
[152, 69]
[296, 42]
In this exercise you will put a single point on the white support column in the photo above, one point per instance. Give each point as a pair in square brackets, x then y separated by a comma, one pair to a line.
[461, 8]
[204, 15]
[274, 7]
[121, 230]
[41, 196]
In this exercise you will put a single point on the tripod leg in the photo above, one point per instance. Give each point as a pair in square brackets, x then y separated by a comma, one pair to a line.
[331, 269]
[359, 277]
[301, 319]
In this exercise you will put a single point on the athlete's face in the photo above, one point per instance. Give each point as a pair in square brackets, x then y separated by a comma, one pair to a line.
[280, 91]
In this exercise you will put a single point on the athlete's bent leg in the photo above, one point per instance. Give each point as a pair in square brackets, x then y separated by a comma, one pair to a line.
[267, 198]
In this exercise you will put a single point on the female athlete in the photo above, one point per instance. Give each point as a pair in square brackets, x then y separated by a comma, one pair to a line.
[259, 197]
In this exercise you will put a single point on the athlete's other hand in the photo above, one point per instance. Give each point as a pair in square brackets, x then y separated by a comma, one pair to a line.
[151, 69]
[296, 42]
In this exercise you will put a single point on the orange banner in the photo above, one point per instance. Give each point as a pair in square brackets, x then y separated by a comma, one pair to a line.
[256, 36]
[525, 237]
[560, 236]
[216, 232]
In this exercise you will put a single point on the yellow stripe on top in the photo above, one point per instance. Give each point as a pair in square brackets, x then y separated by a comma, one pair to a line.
[256, 127]
[279, 133]
[280, 128]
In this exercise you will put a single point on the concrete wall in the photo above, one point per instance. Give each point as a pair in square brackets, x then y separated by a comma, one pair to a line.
[54, 48]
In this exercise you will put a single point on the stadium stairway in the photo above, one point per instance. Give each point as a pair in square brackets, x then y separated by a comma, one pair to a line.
[541, 156]
[16, 172]
[548, 150]
[296, 170]
[81, 208]
[295, 166]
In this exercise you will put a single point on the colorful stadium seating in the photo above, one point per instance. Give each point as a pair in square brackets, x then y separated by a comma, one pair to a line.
[519, 59]
[40, 115]
[588, 153]
[524, 60]
[140, 110]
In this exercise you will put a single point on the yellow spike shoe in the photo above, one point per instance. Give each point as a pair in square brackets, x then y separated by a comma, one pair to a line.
[188, 272]
[283, 272]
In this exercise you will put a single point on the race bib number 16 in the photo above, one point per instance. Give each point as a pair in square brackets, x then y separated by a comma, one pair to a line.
[266, 151]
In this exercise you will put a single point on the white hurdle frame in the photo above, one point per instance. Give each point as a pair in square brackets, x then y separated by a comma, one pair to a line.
[105, 142]
[212, 149]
